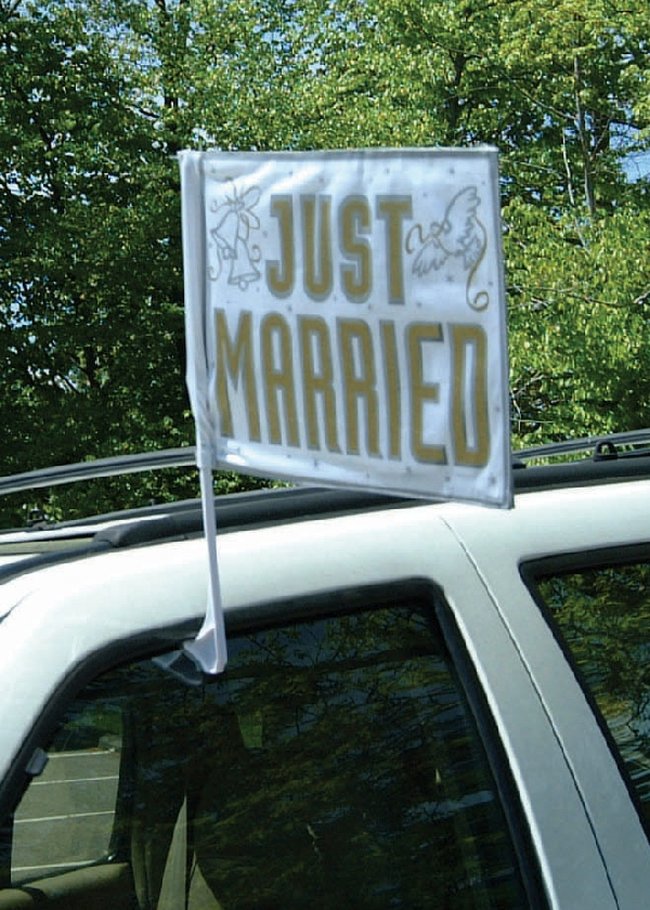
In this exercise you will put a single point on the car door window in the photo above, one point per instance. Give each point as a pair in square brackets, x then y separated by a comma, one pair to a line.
[335, 763]
[602, 614]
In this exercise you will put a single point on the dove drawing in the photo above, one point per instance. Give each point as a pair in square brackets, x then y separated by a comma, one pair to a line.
[460, 235]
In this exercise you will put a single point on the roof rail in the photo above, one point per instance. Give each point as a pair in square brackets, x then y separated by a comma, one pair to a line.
[607, 446]
[602, 448]
[99, 467]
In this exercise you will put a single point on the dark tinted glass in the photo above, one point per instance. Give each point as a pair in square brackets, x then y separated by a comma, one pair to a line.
[334, 764]
[604, 618]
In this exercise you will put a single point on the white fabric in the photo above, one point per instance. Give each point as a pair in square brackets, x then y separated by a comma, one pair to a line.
[346, 313]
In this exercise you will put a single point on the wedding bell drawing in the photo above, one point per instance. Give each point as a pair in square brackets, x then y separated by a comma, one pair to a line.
[232, 238]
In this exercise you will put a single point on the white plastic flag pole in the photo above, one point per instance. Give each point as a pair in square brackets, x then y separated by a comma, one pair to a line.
[209, 648]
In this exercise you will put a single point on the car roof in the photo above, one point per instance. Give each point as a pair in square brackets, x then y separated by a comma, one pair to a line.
[318, 551]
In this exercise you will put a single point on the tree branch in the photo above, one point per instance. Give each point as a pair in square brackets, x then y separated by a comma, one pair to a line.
[538, 302]
[9, 9]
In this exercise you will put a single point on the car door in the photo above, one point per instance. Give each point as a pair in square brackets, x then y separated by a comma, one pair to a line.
[549, 558]
[343, 756]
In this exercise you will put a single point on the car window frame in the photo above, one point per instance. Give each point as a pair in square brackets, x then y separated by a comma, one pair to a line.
[610, 556]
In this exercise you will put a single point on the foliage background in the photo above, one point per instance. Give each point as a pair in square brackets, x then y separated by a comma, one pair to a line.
[97, 96]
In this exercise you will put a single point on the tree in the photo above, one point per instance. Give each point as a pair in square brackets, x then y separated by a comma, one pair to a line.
[91, 322]
[95, 105]
[562, 93]
[99, 95]
[91, 294]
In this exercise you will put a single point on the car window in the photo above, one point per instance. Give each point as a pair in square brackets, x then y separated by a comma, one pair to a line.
[66, 816]
[336, 761]
[603, 617]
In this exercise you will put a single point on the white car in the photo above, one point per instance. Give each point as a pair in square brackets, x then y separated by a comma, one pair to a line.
[426, 705]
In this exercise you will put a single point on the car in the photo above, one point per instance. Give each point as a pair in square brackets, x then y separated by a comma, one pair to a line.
[426, 704]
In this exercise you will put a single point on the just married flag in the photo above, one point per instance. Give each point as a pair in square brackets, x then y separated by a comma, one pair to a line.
[345, 316]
